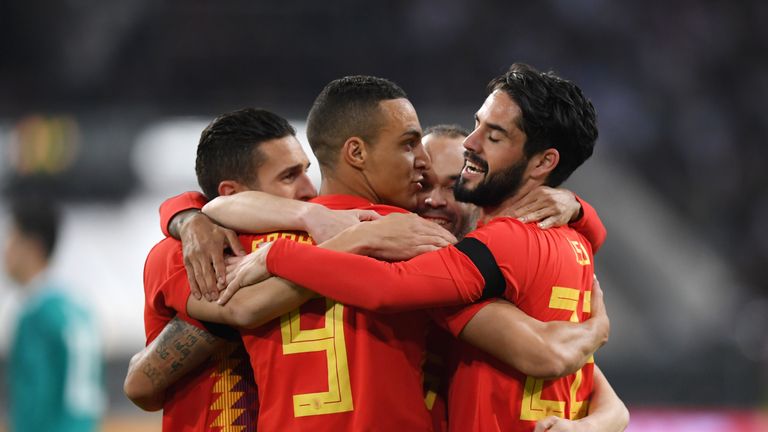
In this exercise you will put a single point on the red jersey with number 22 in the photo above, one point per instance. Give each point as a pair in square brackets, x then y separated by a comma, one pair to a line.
[549, 276]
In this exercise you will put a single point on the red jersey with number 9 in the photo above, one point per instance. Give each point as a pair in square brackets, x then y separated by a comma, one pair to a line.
[331, 367]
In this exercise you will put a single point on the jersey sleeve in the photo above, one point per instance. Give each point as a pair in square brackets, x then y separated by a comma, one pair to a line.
[176, 292]
[441, 278]
[590, 225]
[455, 318]
[177, 204]
[165, 297]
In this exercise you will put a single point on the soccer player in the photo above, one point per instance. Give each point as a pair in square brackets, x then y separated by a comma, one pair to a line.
[221, 393]
[55, 369]
[554, 207]
[328, 365]
[533, 129]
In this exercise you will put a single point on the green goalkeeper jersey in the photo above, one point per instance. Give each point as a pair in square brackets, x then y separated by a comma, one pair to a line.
[55, 366]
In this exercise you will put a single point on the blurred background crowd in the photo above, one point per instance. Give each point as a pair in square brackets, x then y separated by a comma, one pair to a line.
[102, 103]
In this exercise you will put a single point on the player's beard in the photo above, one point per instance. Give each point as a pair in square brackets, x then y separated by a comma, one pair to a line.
[494, 188]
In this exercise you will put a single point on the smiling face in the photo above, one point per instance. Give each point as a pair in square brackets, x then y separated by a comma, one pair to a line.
[283, 171]
[436, 200]
[495, 162]
[396, 158]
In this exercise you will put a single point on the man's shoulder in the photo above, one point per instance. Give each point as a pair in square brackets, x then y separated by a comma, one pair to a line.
[511, 226]
[164, 255]
[499, 226]
[509, 234]
[165, 247]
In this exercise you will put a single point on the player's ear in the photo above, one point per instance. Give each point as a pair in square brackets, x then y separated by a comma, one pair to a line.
[542, 164]
[354, 152]
[229, 187]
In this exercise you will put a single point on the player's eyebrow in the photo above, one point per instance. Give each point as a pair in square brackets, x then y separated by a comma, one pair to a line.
[293, 169]
[493, 126]
[414, 133]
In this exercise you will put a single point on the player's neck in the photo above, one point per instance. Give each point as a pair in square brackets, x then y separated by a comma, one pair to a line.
[490, 212]
[347, 185]
[32, 269]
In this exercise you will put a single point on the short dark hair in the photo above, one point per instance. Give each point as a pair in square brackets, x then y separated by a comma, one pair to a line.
[229, 147]
[555, 114]
[345, 108]
[447, 130]
[37, 218]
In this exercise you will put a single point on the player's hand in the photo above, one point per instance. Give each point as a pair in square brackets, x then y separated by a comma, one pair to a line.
[557, 424]
[599, 313]
[401, 236]
[323, 224]
[548, 206]
[245, 270]
[203, 244]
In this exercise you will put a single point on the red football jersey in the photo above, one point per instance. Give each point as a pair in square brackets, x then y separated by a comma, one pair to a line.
[546, 273]
[221, 395]
[549, 277]
[330, 367]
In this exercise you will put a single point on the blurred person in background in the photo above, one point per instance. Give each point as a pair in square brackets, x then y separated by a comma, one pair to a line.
[55, 371]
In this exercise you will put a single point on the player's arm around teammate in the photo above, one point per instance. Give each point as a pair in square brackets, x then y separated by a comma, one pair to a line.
[181, 346]
[400, 236]
[177, 350]
[607, 413]
[547, 349]
[200, 225]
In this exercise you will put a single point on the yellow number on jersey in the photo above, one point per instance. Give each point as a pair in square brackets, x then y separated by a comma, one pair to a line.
[330, 339]
[582, 257]
[534, 407]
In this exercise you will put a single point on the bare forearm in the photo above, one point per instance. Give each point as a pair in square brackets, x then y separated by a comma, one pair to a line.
[254, 211]
[177, 350]
[174, 227]
[535, 348]
[141, 383]
[253, 305]
[572, 343]
[606, 411]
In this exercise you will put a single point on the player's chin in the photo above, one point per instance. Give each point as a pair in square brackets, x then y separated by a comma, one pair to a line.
[407, 201]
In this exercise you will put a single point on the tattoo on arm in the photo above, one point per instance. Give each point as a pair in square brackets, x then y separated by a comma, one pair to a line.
[180, 344]
[154, 375]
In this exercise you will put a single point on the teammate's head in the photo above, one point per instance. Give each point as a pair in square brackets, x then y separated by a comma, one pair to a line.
[366, 134]
[252, 149]
[443, 143]
[534, 128]
[32, 237]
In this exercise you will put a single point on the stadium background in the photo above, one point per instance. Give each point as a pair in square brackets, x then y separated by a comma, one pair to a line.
[101, 104]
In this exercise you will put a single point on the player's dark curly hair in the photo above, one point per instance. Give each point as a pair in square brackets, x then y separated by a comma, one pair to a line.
[347, 107]
[555, 114]
[447, 130]
[229, 147]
